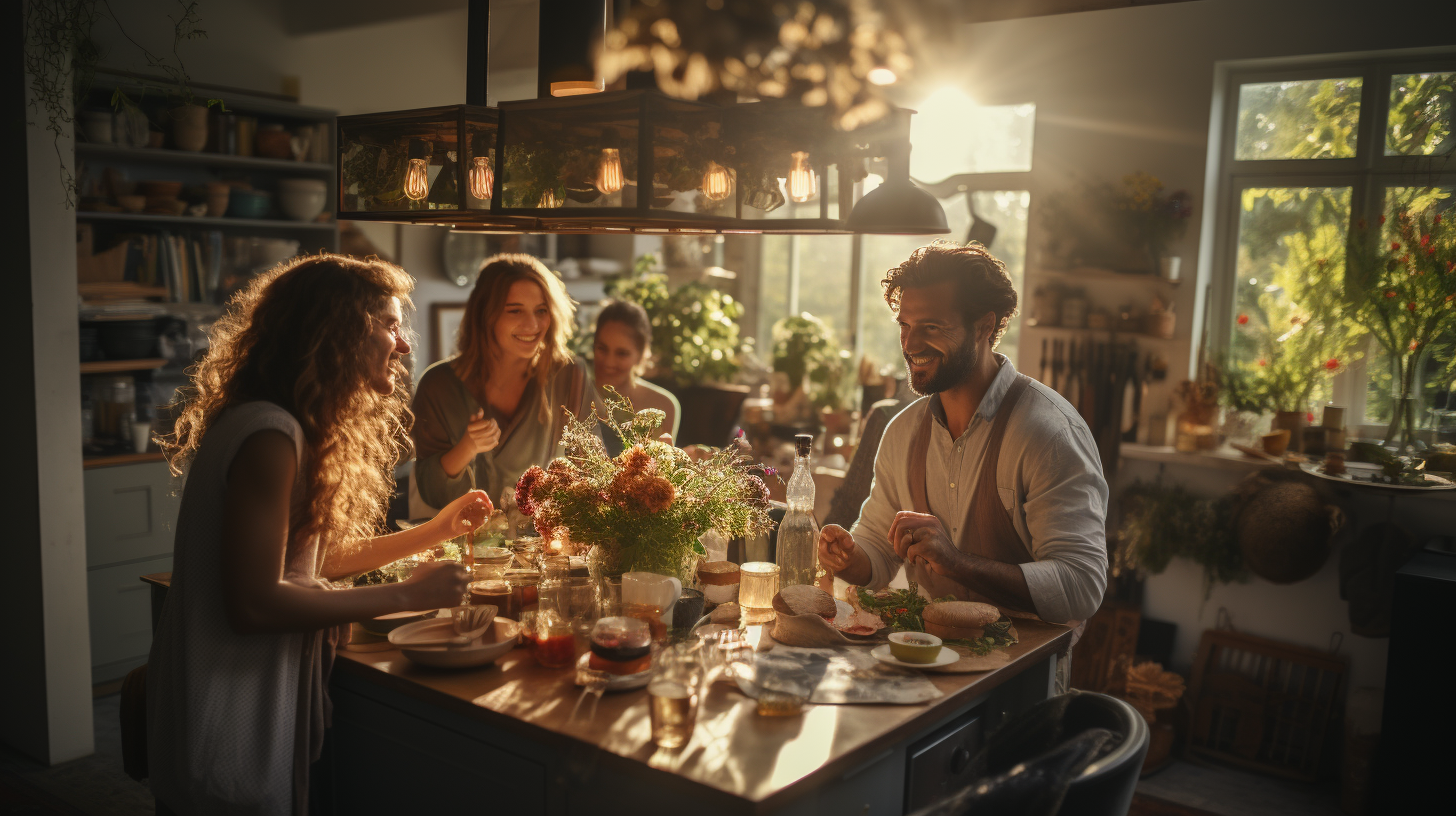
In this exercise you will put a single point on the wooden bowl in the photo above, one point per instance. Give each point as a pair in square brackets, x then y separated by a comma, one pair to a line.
[132, 203]
[1275, 442]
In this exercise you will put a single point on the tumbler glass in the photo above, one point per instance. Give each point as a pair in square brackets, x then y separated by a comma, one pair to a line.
[673, 691]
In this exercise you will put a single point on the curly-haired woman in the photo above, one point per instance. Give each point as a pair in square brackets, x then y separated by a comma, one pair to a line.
[498, 406]
[288, 439]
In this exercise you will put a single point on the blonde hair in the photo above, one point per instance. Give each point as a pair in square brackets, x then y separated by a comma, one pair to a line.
[292, 337]
[476, 343]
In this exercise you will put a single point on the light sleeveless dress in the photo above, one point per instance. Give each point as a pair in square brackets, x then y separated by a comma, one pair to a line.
[232, 720]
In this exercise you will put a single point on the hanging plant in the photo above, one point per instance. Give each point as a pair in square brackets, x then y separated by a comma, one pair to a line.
[1162, 522]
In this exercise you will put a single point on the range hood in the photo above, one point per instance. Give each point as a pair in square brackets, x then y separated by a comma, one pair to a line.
[630, 161]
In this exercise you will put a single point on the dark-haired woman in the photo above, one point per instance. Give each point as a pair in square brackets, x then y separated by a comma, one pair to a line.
[486, 415]
[621, 351]
[288, 438]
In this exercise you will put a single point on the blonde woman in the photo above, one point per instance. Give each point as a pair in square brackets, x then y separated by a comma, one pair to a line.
[621, 351]
[499, 405]
[288, 438]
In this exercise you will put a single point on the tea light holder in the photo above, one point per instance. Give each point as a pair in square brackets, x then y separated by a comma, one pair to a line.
[758, 583]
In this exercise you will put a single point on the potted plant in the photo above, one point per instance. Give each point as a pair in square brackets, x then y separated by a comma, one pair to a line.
[696, 347]
[1401, 281]
[810, 357]
[644, 509]
[1297, 333]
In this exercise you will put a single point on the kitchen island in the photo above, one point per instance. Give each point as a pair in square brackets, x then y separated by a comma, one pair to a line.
[510, 738]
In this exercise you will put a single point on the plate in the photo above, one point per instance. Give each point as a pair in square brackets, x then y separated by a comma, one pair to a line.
[1432, 482]
[947, 656]
[499, 639]
[616, 682]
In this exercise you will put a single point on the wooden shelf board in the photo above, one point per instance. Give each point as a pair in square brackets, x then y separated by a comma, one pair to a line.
[1092, 273]
[204, 221]
[117, 366]
[90, 462]
[1102, 332]
[151, 155]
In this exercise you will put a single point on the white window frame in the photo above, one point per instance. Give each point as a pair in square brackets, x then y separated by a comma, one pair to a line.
[1367, 174]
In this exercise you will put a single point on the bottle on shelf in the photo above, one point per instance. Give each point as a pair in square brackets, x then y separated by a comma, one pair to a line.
[798, 557]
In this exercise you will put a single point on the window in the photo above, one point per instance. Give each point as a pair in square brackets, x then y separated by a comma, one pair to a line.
[963, 153]
[1308, 153]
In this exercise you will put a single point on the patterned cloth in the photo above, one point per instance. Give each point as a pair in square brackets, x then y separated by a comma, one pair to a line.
[233, 720]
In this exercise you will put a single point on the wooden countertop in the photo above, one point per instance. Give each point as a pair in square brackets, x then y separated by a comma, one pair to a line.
[733, 751]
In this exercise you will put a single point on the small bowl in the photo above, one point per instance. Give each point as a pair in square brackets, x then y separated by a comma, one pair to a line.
[132, 203]
[249, 204]
[1275, 442]
[915, 647]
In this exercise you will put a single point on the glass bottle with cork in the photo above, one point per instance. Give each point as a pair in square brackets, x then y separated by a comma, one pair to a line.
[798, 556]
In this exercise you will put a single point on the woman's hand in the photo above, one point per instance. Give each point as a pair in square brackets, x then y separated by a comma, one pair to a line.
[435, 585]
[481, 435]
[466, 513]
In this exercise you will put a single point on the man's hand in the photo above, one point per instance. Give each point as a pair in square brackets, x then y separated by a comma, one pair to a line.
[921, 539]
[836, 547]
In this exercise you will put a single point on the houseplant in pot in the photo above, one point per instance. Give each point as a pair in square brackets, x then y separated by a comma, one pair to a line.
[1294, 332]
[810, 357]
[696, 347]
[643, 510]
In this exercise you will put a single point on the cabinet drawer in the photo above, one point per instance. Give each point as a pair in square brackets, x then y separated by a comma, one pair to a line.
[940, 764]
[131, 513]
[121, 610]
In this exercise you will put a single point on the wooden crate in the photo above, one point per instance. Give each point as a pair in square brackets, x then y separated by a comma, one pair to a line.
[1263, 705]
[1101, 658]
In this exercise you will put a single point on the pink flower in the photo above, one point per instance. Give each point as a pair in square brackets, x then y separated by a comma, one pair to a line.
[1243, 319]
[1425, 240]
[1263, 362]
[1410, 307]
[1332, 364]
[1394, 246]
[1390, 294]
[1309, 416]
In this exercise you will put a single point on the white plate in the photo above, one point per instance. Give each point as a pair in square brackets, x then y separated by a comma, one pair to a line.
[499, 639]
[618, 682]
[946, 657]
[1362, 477]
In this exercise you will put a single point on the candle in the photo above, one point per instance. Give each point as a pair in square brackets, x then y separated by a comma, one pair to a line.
[758, 583]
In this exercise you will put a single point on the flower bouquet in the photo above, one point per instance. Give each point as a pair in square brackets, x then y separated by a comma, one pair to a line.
[1403, 284]
[644, 509]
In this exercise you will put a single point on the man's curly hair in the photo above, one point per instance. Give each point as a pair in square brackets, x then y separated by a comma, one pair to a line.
[982, 283]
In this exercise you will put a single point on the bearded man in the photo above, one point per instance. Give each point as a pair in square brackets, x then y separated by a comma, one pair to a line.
[990, 487]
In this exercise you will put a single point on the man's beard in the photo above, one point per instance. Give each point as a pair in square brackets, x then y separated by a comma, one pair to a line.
[954, 369]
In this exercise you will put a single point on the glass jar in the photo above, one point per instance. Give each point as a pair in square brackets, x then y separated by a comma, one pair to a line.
[525, 590]
[555, 640]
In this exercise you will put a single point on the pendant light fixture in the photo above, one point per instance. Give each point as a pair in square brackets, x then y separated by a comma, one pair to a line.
[898, 207]
[631, 161]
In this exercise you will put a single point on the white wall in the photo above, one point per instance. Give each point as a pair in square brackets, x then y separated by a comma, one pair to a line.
[1132, 89]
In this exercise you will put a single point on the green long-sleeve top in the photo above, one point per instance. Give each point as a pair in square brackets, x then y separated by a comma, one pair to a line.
[443, 407]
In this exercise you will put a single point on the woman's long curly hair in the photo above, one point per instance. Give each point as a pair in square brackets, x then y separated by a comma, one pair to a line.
[477, 344]
[293, 338]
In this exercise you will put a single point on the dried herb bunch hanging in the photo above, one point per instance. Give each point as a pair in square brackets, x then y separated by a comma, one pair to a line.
[1162, 522]
[644, 509]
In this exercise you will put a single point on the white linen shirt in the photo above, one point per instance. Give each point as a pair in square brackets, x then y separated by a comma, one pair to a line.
[1049, 477]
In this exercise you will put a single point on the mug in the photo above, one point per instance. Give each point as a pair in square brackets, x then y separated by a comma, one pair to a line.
[647, 589]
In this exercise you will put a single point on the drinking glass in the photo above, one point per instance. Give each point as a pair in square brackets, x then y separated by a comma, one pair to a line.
[758, 583]
[673, 691]
[780, 694]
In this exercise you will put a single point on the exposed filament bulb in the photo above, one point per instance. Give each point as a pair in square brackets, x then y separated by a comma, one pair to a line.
[803, 184]
[416, 180]
[482, 178]
[717, 183]
[609, 174]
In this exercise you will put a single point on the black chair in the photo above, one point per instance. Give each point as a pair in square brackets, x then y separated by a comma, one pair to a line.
[1077, 754]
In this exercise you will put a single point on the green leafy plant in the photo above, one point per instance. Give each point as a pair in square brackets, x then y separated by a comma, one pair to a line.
[1162, 522]
[807, 352]
[694, 329]
[644, 509]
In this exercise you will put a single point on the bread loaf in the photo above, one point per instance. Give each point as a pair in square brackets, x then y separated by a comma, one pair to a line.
[805, 600]
[957, 620]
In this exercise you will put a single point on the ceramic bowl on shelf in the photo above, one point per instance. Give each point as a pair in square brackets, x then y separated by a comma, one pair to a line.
[249, 204]
[132, 203]
[302, 199]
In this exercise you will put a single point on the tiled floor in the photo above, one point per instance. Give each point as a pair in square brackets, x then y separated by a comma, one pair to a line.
[1230, 792]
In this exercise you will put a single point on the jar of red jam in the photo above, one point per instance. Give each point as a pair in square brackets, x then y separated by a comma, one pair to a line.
[555, 641]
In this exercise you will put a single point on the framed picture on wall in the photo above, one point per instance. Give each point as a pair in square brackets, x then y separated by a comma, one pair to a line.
[444, 326]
